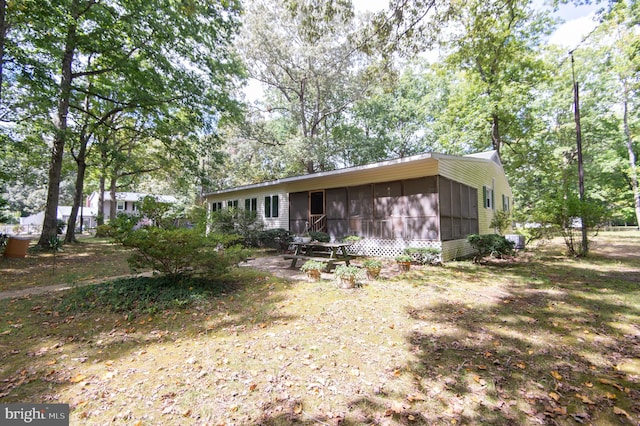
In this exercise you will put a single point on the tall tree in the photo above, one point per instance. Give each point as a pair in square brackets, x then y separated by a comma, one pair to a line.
[621, 36]
[304, 54]
[496, 45]
[176, 55]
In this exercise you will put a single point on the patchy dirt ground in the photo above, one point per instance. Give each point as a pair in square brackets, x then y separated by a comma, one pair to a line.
[543, 340]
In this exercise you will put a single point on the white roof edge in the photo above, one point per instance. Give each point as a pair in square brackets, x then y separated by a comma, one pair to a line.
[425, 156]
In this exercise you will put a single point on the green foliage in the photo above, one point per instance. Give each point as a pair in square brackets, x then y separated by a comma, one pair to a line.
[403, 258]
[424, 255]
[350, 271]
[320, 236]
[239, 222]
[60, 224]
[568, 214]
[501, 221]
[104, 231]
[158, 212]
[182, 252]
[372, 264]
[493, 245]
[351, 239]
[122, 226]
[313, 265]
[278, 238]
[142, 295]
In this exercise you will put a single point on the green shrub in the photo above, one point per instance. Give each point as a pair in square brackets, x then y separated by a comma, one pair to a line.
[236, 221]
[490, 245]
[181, 252]
[122, 226]
[320, 236]
[105, 231]
[278, 238]
[424, 255]
[351, 239]
[501, 221]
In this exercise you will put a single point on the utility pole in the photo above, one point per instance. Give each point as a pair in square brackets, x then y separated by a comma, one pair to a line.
[576, 104]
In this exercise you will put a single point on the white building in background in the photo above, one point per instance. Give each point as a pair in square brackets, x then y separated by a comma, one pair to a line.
[126, 202]
[34, 222]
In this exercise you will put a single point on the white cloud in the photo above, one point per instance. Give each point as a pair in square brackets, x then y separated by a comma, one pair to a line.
[370, 5]
[571, 33]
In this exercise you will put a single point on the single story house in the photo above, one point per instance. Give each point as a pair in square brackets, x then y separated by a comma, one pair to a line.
[427, 200]
[34, 222]
[126, 202]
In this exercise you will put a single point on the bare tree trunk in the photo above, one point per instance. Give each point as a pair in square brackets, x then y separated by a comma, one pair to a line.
[77, 197]
[49, 226]
[113, 203]
[100, 218]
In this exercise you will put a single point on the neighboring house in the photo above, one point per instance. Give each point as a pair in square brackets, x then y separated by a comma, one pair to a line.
[88, 217]
[126, 202]
[420, 201]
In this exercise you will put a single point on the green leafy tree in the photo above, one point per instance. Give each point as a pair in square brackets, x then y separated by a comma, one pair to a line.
[495, 46]
[304, 54]
[166, 55]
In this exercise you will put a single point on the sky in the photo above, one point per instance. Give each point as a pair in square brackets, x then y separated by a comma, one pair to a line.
[578, 20]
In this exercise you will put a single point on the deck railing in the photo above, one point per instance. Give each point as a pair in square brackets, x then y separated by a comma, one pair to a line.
[317, 223]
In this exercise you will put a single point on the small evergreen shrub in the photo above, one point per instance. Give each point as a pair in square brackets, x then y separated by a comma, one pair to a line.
[320, 236]
[493, 245]
[183, 252]
[278, 238]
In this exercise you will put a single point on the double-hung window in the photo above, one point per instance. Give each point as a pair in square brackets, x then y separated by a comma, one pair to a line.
[251, 204]
[271, 206]
[487, 194]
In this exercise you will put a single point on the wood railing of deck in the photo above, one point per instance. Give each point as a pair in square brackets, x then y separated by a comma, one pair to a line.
[317, 223]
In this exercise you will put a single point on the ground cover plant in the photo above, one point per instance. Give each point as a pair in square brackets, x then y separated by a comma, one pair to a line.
[544, 339]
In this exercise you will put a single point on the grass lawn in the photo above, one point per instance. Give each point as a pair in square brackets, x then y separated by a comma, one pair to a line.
[542, 340]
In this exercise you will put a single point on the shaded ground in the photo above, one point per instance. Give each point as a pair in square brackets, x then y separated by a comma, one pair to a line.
[87, 261]
[543, 340]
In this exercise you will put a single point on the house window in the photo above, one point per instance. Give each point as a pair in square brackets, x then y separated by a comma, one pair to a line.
[134, 207]
[505, 203]
[251, 204]
[232, 204]
[271, 206]
[487, 193]
[216, 206]
[121, 206]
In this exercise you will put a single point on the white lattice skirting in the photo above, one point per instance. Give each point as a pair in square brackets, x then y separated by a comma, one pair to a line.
[387, 248]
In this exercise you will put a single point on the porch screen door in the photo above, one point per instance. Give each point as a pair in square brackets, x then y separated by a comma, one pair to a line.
[317, 218]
